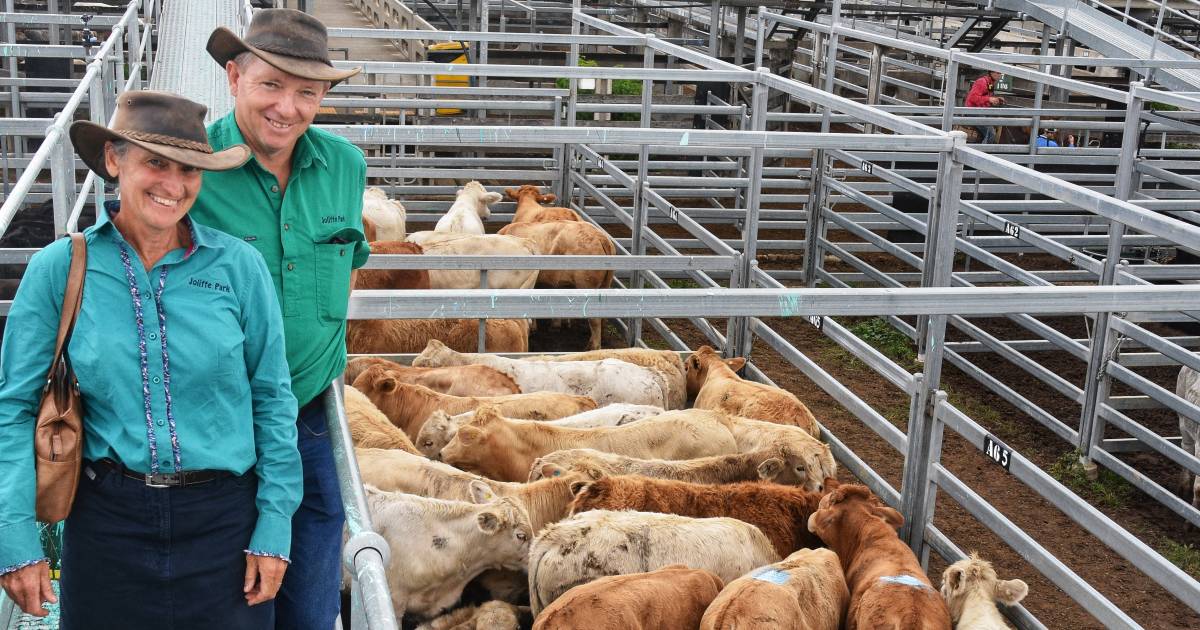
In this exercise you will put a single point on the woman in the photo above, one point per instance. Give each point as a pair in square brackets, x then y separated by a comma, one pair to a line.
[183, 514]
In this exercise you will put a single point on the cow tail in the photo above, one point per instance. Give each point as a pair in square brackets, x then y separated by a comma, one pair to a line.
[608, 280]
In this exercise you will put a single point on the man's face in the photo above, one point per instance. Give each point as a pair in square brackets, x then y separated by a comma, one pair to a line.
[995, 75]
[272, 108]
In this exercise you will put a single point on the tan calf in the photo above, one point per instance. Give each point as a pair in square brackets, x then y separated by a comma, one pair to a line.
[529, 200]
[504, 449]
[888, 589]
[777, 464]
[369, 428]
[805, 591]
[715, 384]
[672, 597]
[400, 336]
[491, 615]
[408, 406]
[971, 590]
[569, 238]
[546, 501]
[665, 361]
[465, 380]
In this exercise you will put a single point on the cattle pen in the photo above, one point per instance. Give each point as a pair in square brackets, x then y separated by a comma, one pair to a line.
[815, 187]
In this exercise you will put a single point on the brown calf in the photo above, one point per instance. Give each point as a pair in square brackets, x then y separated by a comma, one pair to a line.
[715, 384]
[672, 597]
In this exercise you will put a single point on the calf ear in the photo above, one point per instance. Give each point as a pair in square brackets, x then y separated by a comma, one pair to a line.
[892, 517]
[469, 435]
[550, 471]
[1011, 592]
[480, 492]
[770, 469]
[594, 473]
[489, 522]
[491, 198]
[485, 415]
[512, 193]
[547, 198]
[830, 484]
[386, 384]
[952, 580]
[736, 363]
[578, 488]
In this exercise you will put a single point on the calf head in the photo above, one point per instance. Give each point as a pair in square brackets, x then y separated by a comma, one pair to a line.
[435, 434]
[479, 197]
[698, 365]
[842, 513]
[435, 354]
[375, 193]
[470, 446]
[976, 575]
[588, 494]
[507, 524]
[529, 190]
[797, 465]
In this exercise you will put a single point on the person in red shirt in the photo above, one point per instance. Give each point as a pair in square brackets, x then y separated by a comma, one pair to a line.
[981, 95]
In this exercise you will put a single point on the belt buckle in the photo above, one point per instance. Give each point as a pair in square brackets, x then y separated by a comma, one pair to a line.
[162, 480]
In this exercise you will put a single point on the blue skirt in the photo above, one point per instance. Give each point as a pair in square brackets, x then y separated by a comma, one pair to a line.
[161, 558]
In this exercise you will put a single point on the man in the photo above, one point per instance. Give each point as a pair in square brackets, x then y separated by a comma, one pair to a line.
[1049, 138]
[298, 201]
[981, 95]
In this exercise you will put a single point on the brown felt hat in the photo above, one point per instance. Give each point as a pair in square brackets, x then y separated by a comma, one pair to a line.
[290, 40]
[164, 124]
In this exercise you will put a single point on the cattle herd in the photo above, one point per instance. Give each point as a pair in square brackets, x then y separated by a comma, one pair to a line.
[582, 491]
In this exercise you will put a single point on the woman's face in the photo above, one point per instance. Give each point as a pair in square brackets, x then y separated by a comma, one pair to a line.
[155, 192]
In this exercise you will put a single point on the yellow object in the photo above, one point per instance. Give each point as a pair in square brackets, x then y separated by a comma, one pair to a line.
[449, 52]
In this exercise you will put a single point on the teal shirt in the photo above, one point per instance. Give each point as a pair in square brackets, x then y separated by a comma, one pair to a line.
[310, 233]
[231, 397]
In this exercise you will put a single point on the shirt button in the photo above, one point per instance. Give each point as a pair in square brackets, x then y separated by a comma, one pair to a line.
[275, 188]
[153, 336]
[156, 379]
[341, 252]
[291, 266]
[160, 423]
[287, 226]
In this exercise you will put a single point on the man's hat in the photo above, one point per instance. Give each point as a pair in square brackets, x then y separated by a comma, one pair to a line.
[290, 40]
[164, 124]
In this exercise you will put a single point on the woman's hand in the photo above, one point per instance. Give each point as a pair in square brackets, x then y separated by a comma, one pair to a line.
[29, 587]
[264, 575]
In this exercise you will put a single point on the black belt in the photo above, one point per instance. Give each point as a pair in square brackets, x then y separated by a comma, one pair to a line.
[166, 480]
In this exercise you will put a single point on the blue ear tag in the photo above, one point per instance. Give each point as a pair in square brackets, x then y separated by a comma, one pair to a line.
[773, 576]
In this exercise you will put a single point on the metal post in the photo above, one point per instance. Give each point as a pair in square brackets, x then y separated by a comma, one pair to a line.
[817, 57]
[739, 40]
[10, 36]
[135, 47]
[814, 216]
[714, 29]
[1104, 340]
[641, 199]
[874, 80]
[1038, 90]
[914, 489]
[62, 181]
[738, 329]
[99, 115]
[760, 36]
[831, 55]
[482, 344]
[950, 91]
[572, 98]
[1162, 8]
[52, 31]
[482, 53]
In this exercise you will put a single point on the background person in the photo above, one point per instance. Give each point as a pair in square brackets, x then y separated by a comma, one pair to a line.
[982, 95]
[298, 201]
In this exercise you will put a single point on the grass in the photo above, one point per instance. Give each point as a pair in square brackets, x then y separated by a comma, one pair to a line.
[1107, 489]
[682, 283]
[894, 344]
[1186, 557]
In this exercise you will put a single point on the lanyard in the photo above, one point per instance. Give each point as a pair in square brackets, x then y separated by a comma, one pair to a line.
[139, 317]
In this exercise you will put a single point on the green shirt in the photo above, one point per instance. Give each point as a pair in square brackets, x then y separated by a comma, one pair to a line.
[311, 236]
[231, 404]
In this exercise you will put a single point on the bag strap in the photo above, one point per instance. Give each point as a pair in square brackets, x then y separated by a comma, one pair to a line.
[72, 296]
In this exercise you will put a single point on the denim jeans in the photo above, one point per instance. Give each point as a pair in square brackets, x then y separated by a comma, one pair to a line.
[310, 597]
[162, 558]
[987, 135]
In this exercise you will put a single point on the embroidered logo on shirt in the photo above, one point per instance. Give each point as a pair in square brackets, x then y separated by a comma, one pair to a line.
[333, 218]
[208, 284]
[250, 239]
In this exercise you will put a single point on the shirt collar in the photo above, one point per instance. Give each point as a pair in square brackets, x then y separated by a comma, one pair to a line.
[200, 235]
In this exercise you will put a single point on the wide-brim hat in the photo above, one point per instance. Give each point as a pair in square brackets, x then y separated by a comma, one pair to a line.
[292, 41]
[164, 124]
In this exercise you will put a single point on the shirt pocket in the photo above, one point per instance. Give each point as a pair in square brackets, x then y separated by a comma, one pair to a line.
[335, 256]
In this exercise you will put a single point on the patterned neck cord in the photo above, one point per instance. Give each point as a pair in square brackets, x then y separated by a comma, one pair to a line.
[139, 316]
